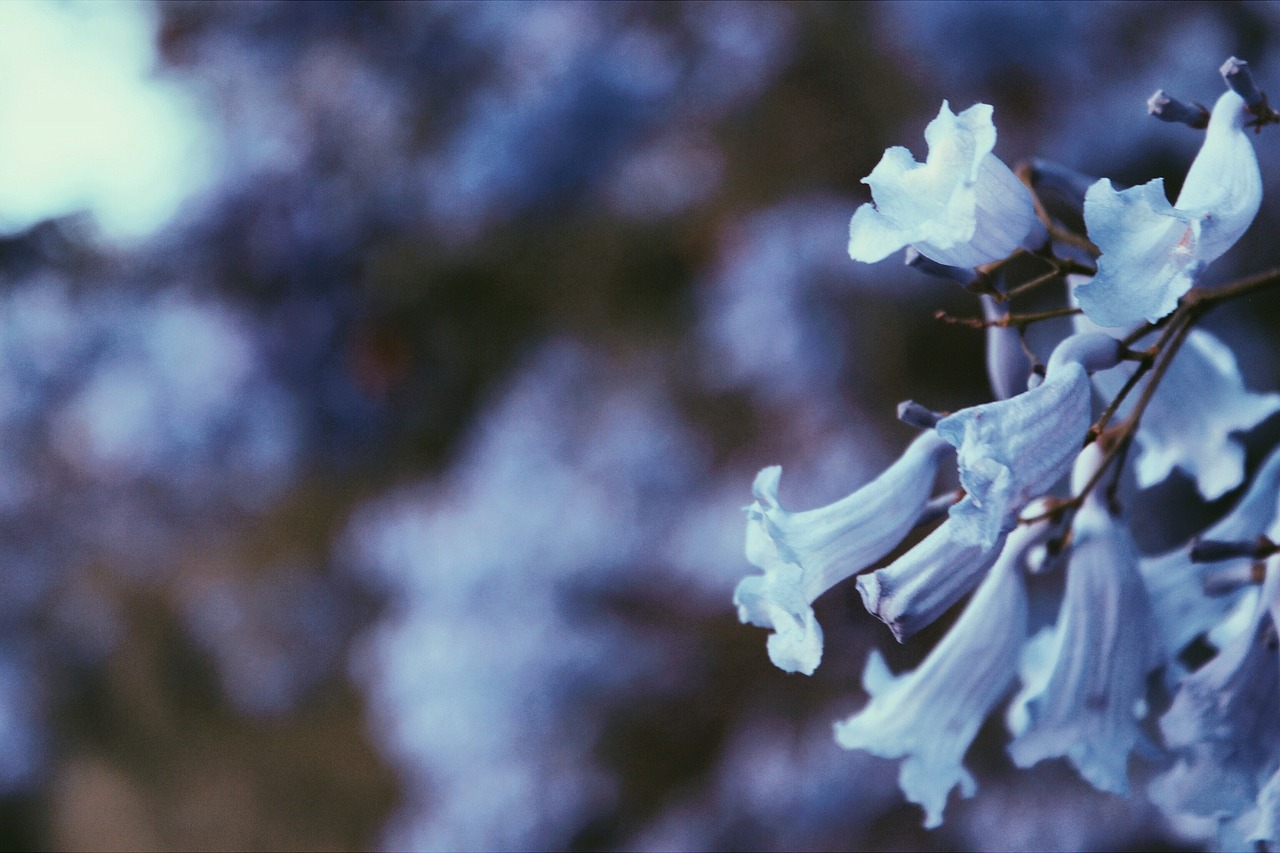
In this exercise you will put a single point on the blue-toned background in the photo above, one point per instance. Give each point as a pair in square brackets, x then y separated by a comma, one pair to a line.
[380, 384]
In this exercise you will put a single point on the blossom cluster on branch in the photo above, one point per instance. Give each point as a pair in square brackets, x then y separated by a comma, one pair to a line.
[1040, 469]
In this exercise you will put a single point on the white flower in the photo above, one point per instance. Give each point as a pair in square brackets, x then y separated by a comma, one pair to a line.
[1081, 698]
[1009, 452]
[962, 207]
[1151, 250]
[1013, 450]
[1194, 415]
[1224, 727]
[804, 554]
[923, 583]
[929, 717]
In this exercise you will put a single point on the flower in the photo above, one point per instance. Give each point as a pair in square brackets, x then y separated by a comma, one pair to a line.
[1009, 452]
[1013, 450]
[962, 207]
[923, 583]
[1193, 416]
[1151, 250]
[1224, 727]
[804, 554]
[929, 716]
[1084, 680]
[1175, 584]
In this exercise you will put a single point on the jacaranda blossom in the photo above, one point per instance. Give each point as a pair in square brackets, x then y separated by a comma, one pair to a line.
[1083, 698]
[1151, 250]
[1009, 452]
[804, 554]
[1175, 584]
[962, 207]
[1223, 725]
[928, 717]
[1194, 420]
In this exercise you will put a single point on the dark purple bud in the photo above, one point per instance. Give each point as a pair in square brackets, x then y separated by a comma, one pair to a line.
[1170, 109]
[912, 413]
[1239, 80]
[1215, 550]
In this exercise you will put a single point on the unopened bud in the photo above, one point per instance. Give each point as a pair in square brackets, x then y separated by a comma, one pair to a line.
[1170, 109]
[913, 414]
[1239, 80]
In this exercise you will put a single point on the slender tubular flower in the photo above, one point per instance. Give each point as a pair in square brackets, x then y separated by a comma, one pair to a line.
[929, 716]
[1151, 250]
[1081, 699]
[1175, 584]
[803, 554]
[1223, 723]
[923, 583]
[962, 207]
[1009, 452]
[1193, 417]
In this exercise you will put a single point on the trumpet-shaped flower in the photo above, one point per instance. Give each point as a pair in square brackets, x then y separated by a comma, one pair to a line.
[803, 554]
[1013, 450]
[1009, 452]
[1080, 699]
[1175, 584]
[929, 716]
[923, 583]
[1223, 723]
[1193, 416]
[1151, 250]
[962, 207]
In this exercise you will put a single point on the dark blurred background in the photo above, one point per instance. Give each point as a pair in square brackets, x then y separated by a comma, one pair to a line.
[380, 384]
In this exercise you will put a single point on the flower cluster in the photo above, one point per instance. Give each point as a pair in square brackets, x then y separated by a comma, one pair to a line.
[1043, 468]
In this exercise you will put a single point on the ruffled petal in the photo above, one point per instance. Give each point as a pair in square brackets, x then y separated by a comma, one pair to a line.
[1151, 250]
[929, 716]
[803, 554]
[1084, 704]
[1192, 419]
[1223, 183]
[962, 207]
[1148, 254]
[1013, 450]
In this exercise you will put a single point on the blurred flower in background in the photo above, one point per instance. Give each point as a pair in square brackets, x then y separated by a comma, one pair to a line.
[380, 381]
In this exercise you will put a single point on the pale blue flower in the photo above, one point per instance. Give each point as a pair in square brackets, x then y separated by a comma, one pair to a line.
[1013, 450]
[928, 717]
[804, 554]
[962, 207]
[1193, 417]
[1009, 452]
[1181, 608]
[1151, 250]
[923, 583]
[1224, 726]
[1084, 680]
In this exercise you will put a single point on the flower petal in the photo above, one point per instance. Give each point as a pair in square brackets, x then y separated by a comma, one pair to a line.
[1083, 706]
[804, 554]
[1223, 724]
[1182, 610]
[1192, 417]
[1148, 254]
[1223, 183]
[930, 716]
[962, 207]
